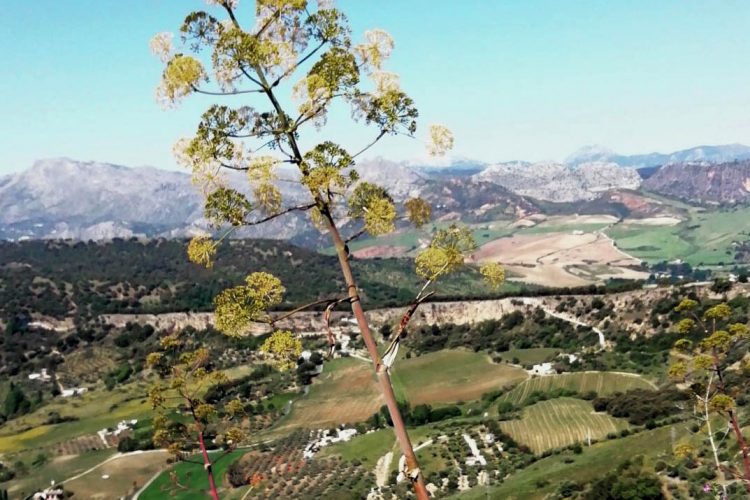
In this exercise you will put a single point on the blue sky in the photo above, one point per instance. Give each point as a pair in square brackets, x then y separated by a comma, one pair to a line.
[514, 79]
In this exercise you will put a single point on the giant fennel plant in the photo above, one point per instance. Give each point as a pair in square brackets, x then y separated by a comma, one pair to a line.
[256, 59]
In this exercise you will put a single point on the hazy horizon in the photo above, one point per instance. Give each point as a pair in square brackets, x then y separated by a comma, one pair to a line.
[530, 81]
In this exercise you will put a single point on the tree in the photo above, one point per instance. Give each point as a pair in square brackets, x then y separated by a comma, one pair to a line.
[16, 402]
[259, 60]
[704, 366]
[185, 365]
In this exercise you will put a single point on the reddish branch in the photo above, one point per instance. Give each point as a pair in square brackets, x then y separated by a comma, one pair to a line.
[399, 426]
[733, 421]
[204, 453]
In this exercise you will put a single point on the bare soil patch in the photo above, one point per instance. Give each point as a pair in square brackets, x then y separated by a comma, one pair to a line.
[557, 259]
[380, 251]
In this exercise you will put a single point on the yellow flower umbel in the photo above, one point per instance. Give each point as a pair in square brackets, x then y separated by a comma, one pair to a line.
[445, 253]
[236, 308]
[441, 140]
[201, 250]
[493, 273]
[284, 349]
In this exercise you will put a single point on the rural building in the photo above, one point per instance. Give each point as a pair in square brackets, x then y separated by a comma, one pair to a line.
[75, 391]
[543, 369]
[42, 376]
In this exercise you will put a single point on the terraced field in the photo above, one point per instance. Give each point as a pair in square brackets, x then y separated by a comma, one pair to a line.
[602, 383]
[560, 422]
[85, 366]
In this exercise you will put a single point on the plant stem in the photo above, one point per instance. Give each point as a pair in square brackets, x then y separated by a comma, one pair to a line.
[413, 472]
[711, 435]
[733, 420]
[743, 448]
[202, 444]
[207, 466]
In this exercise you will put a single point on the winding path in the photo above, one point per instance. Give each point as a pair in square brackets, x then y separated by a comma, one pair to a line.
[565, 317]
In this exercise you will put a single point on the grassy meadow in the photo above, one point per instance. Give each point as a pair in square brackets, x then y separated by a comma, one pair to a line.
[451, 376]
[705, 237]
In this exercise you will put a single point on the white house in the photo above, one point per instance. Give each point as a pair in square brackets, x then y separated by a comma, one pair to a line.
[572, 358]
[543, 369]
[75, 391]
[51, 493]
[42, 376]
[476, 457]
[323, 438]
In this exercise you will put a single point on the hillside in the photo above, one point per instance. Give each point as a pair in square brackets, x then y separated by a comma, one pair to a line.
[64, 198]
[560, 183]
[461, 360]
[704, 184]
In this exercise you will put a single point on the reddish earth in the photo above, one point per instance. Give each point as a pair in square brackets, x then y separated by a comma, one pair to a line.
[639, 206]
[380, 251]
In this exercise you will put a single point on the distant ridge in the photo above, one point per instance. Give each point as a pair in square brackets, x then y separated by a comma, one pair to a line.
[65, 198]
[702, 154]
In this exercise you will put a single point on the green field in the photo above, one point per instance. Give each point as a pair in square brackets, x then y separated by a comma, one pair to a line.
[57, 469]
[531, 356]
[367, 448]
[602, 383]
[95, 410]
[706, 237]
[451, 376]
[347, 391]
[560, 422]
[191, 478]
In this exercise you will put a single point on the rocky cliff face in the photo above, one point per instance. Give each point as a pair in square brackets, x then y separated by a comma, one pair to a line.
[312, 324]
[64, 198]
[560, 183]
[723, 184]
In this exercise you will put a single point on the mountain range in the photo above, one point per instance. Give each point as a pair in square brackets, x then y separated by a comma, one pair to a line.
[65, 198]
[698, 154]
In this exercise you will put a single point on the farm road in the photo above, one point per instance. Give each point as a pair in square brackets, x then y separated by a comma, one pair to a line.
[536, 302]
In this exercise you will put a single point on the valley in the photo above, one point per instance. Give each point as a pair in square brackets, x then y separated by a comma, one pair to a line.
[509, 391]
[346, 252]
[467, 369]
